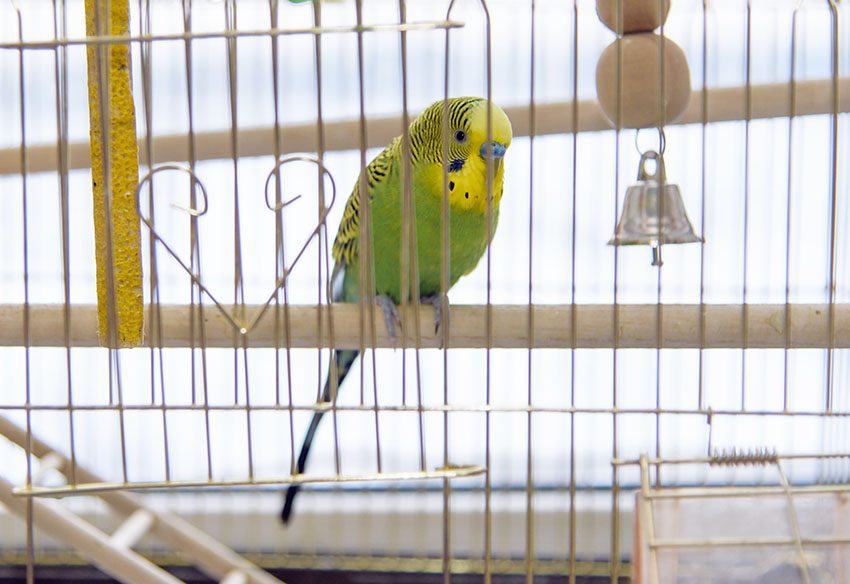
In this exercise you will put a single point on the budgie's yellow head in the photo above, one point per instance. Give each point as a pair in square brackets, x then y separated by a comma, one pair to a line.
[468, 147]
[500, 128]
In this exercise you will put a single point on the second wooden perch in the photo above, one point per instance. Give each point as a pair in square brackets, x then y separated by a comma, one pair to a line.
[724, 326]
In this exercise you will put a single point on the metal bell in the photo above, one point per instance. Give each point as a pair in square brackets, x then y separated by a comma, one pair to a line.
[653, 212]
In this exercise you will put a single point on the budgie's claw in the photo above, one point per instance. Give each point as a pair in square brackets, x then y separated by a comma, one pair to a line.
[391, 316]
[435, 300]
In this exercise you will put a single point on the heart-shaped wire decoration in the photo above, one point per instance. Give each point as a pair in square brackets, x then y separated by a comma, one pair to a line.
[243, 327]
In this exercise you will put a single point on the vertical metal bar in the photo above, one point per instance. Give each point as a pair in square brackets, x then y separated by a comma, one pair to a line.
[444, 286]
[320, 154]
[155, 315]
[703, 124]
[103, 26]
[659, 307]
[792, 88]
[230, 49]
[144, 58]
[196, 293]
[30, 570]
[365, 299]
[573, 312]
[833, 205]
[410, 257]
[195, 253]
[529, 484]
[365, 203]
[280, 256]
[446, 271]
[231, 26]
[488, 511]
[197, 322]
[332, 370]
[60, 59]
[280, 246]
[102, 12]
[745, 310]
[405, 247]
[615, 493]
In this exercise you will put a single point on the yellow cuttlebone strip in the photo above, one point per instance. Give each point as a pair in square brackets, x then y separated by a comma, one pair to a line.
[123, 165]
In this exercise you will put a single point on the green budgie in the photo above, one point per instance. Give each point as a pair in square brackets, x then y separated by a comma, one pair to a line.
[467, 192]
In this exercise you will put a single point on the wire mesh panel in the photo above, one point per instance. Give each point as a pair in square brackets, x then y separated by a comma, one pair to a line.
[173, 298]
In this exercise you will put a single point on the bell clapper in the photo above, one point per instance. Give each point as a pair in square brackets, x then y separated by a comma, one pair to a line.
[656, 253]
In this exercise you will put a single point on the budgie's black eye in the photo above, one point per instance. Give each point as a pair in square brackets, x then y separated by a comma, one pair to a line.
[460, 136]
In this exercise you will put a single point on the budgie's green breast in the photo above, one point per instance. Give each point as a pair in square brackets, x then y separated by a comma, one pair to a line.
[467, 192]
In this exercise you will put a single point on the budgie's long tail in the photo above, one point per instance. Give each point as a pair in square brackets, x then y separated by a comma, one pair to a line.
[344, 360]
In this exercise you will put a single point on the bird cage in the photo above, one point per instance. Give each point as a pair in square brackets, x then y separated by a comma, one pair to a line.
[172, 178]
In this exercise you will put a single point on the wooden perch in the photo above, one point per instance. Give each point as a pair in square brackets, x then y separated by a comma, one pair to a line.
[636, 326]
[771, 100]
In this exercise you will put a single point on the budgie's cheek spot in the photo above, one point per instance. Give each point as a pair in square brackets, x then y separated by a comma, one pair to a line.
[451, 185]
[456, 165]
[467, 195]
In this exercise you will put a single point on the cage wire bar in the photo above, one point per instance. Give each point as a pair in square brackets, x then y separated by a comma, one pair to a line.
[203, 324]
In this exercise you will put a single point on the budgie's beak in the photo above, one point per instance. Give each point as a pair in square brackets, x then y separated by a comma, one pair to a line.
[497, 149]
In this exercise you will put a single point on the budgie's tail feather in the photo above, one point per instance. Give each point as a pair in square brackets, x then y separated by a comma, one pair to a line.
[344, 360]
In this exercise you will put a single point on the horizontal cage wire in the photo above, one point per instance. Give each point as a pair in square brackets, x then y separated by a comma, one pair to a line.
[590, 400]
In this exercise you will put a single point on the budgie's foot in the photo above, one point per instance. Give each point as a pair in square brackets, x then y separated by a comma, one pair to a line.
[391, 316]
[435, 300]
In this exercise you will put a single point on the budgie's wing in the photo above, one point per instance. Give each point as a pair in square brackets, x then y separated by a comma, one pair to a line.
[347, 243]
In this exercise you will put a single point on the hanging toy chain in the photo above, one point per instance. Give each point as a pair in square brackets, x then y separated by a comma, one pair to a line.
[643, 81]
